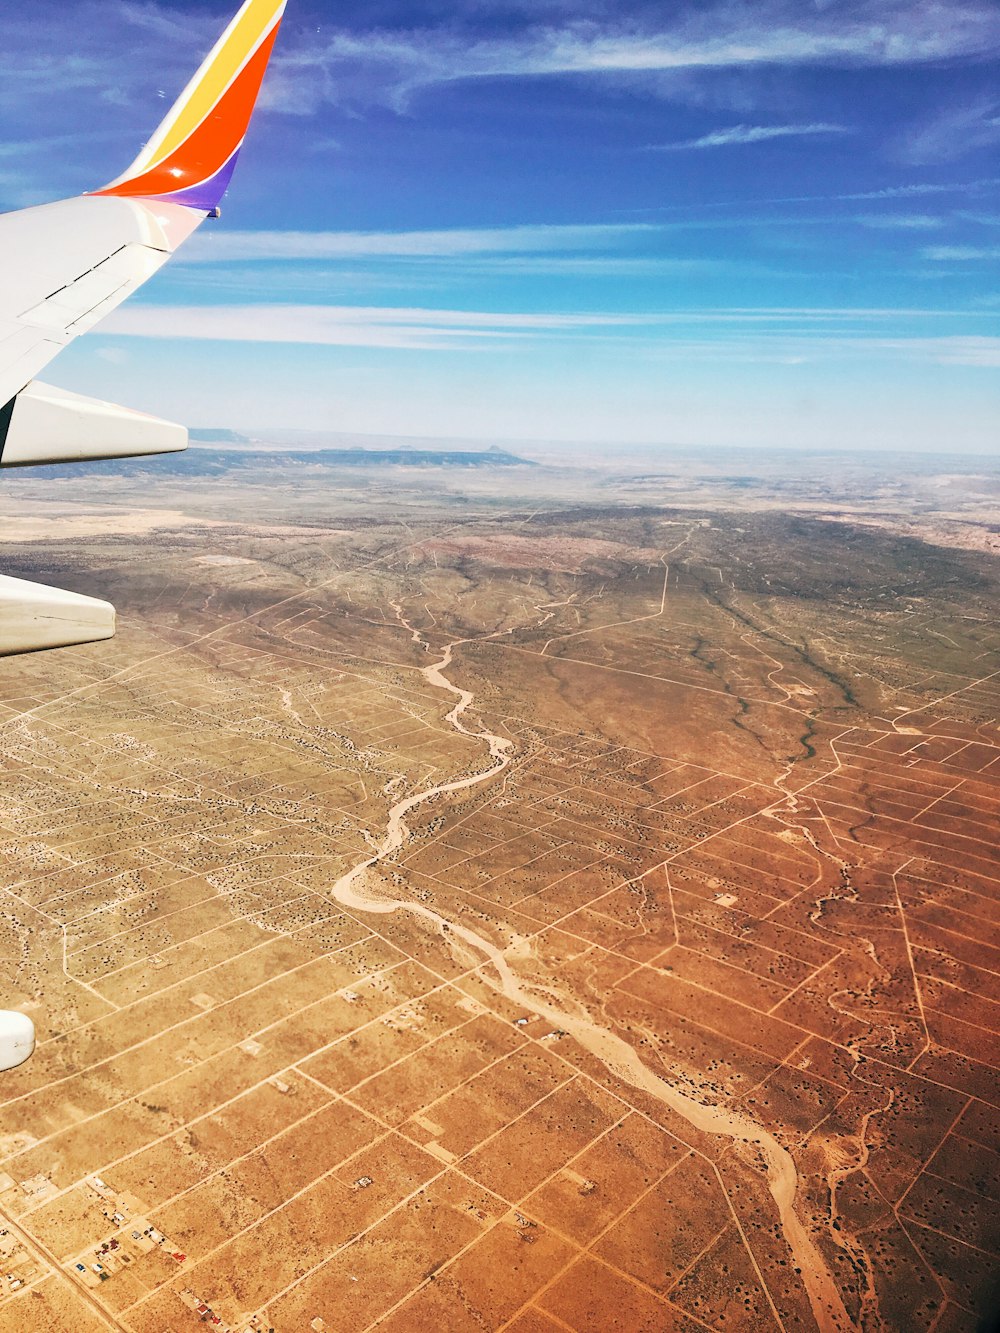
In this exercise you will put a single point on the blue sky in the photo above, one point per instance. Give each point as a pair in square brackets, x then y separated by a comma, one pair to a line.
[726, 223]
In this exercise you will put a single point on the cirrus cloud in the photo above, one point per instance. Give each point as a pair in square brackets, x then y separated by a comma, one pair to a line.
[744, 134]
[390, 65]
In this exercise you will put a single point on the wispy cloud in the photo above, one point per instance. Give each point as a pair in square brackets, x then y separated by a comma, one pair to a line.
[632, 248]
[951, 133]
[350, 326]
[900, 221]
[426, 329]
[744, 134]
[946, 254]
[356, 62]
[916, 189]
[447, 243]
[822, 346]
[390, 66]
[967, 350]
[919, 188]
[599, 266]
[29, 148]
[77, 53]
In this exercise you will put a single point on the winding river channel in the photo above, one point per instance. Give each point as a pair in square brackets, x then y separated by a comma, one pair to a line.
[357, 891]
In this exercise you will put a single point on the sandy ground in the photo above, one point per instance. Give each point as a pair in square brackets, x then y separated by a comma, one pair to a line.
[62, 523]
[514, 552]
[353, 890]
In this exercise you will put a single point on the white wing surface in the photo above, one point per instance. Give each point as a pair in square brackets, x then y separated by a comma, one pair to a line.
[64, 266]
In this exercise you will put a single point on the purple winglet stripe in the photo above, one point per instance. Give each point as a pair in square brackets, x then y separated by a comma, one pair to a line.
[206, 194]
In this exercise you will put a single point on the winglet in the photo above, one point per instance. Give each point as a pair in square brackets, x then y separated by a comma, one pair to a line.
[190, 158]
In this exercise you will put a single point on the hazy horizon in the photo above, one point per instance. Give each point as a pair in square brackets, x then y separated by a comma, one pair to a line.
[285, 438]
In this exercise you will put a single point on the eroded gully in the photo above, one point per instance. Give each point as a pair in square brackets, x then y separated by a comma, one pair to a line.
[357, 891]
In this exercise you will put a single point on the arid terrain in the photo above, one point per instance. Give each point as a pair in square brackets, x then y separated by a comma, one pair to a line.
[539, 900]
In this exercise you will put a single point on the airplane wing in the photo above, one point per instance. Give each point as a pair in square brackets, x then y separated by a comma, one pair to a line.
[64, 266]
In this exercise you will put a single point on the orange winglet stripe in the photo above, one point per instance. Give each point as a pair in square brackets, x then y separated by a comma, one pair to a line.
[210, 146]
[221, 73]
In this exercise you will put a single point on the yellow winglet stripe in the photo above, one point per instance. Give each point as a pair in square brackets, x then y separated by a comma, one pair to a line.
[244, 35]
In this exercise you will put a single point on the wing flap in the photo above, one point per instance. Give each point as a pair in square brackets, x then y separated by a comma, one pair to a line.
[47, 425]
[34, 616]
[64, 266]
[96, 292]
[23, 355]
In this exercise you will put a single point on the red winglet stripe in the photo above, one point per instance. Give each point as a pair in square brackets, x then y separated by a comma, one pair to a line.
[205, 152]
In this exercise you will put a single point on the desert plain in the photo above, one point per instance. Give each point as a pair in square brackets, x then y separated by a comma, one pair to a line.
[504, 897]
